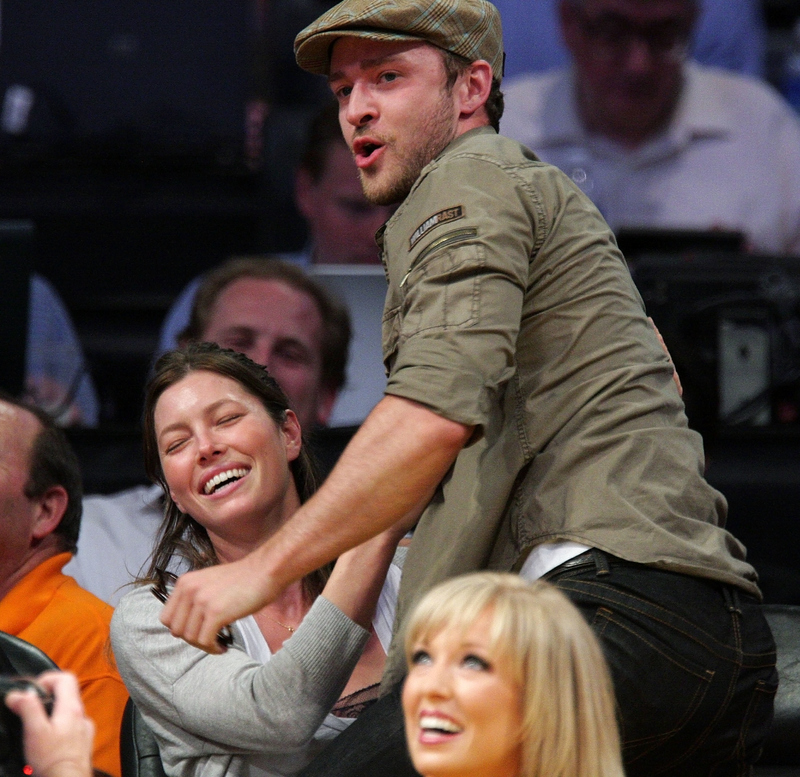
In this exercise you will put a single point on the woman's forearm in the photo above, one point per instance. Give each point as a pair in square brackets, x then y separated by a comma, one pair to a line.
[358, 576]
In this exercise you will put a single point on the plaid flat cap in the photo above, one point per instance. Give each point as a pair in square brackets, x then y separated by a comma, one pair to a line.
[470, 28]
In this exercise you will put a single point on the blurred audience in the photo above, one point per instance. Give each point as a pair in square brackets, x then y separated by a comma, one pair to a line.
[341, 223]
[272, 312]
[56, 376]
[658, 141]
[729, 34]
[40, 495]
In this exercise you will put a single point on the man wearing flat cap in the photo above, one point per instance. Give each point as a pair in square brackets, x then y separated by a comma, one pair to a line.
[530, 416]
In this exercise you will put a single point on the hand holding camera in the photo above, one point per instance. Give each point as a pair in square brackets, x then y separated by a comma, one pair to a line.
[56, 743]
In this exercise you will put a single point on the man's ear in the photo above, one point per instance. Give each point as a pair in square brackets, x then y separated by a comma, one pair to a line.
[474, 86]
[50, 509]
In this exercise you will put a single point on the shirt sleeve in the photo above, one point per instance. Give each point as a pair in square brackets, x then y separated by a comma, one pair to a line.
[453, 337]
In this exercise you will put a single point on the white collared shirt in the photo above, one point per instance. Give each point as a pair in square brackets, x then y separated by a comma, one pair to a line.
[730, 159]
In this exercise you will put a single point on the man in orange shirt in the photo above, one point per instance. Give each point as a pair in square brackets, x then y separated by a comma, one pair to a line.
[40, 514]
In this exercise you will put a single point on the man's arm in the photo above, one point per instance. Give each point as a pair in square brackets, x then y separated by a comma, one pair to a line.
[388, 472]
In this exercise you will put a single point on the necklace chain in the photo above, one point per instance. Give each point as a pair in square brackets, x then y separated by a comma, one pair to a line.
[290, 629]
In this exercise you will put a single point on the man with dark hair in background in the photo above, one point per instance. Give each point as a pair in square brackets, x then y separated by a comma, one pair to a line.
[40, 518]
[341, 221]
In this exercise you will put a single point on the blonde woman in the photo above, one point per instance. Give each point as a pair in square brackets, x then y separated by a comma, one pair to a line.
[506, 679]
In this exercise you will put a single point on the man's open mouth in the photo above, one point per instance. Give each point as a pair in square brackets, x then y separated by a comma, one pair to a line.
[364, 149]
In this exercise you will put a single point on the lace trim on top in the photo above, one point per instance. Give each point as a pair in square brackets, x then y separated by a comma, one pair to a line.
[352, 705]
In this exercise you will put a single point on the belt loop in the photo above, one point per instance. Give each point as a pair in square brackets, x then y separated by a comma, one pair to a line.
[601, 563]
[732, 599]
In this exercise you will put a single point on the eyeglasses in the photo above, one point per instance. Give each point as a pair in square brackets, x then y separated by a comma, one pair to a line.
[614, 35]
[159, 590]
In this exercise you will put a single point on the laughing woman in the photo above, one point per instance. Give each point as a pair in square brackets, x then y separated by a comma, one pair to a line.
[221, 441]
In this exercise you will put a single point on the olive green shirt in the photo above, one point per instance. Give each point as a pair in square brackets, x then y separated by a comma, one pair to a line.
[511, 309]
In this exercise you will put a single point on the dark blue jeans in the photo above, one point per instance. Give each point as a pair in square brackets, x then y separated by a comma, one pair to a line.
[693, 663]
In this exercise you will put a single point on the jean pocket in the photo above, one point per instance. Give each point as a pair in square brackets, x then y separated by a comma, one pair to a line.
[660, 683]
[756, 725]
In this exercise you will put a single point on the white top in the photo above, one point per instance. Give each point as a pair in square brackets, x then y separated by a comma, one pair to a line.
[730, 159]
[117, 535]
[275, 765]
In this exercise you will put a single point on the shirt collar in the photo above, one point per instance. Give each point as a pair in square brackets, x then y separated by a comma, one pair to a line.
[26, 600]
[699, 113]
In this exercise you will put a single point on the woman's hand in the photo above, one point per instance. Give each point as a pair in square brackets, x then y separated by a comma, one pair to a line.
[58, 745]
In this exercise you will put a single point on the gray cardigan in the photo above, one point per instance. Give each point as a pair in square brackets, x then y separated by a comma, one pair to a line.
[209, 712]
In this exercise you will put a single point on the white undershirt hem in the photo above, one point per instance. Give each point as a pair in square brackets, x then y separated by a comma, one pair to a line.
[549, 555]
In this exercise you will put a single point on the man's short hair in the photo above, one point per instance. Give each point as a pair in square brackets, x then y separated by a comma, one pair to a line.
[54, 463]
[454, 66]
[336, 329]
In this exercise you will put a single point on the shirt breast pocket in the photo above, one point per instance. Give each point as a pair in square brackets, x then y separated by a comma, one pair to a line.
[442, 290]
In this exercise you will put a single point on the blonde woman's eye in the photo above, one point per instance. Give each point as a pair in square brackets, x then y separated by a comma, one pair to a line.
[475, 662]
[420, 658]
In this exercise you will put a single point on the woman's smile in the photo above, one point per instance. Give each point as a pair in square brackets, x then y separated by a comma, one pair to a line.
[219, 484]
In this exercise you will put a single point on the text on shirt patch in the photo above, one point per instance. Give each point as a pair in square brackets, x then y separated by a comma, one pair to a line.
[442, 217]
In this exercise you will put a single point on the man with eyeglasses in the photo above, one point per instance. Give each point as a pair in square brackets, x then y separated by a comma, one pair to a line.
[658, 141]
[730, 34]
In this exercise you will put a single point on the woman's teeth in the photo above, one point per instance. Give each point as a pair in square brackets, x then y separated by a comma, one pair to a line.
[223, 477]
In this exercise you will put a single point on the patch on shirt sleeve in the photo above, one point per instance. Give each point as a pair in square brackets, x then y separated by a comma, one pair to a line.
[442, 217]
